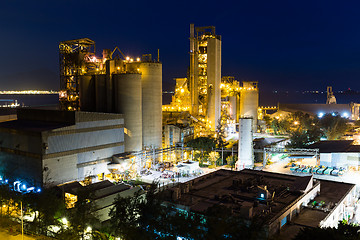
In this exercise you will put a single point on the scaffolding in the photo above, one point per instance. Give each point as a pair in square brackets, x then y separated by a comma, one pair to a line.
[76, 58]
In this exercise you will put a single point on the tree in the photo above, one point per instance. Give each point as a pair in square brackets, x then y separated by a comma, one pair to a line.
[82, 216]
[343, 232]
[333, 126]
[231, 161]
[202, 143]
[45, 214]
[137, 217]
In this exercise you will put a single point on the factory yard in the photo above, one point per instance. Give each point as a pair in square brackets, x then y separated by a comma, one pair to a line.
[348, 176]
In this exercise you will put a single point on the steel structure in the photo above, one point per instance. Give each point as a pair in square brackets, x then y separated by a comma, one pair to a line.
[295, 151]
[205, 73]
[76, 56]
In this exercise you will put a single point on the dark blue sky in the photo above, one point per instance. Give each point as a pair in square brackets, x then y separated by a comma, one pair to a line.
[291, 45]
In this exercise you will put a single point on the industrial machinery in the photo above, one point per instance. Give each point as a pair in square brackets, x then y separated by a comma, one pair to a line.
[205, 73]
[120, 84]
[76, 57]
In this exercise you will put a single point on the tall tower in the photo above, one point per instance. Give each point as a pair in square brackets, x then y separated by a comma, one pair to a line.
[246, 151]
[249, 102]
[76, 57]
[205, 73]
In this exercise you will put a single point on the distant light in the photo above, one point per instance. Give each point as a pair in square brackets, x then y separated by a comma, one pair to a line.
[131, 60]
[23, 187]
[345, 115]
[38, 190]
[320, 115]
[64, 221]
[89, 229]
[333, 114]
[296, 123]
[6, 180]
[262, 195]
[182, 90]
[127, 58]
[138, 59]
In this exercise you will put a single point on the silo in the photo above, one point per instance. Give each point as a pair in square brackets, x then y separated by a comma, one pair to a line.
[127, 100]
[100, 92]
[233, 107]
[87, 93]
[246, 151]
[249, 102]
[151, 82]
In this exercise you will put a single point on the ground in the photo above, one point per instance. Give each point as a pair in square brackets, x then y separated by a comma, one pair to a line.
[5, 235]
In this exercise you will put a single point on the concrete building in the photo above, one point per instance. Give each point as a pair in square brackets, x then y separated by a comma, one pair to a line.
[205, 73]
[53, 147]
[102, 195]
[338, 153]
[279, 199]
[114, 84]
[177, 134]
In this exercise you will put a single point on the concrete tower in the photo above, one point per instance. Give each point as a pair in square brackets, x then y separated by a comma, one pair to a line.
[151, 83]
[249, 102]
[246, 151]
[205, 73]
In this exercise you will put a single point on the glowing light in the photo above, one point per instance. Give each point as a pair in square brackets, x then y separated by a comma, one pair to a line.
[320, 115]
[333, 114]
[89, 229]
[182, 90]
[64, 221]
[127, 58]
[345, 115]
[262, 195]
[118, 68]
[131, 60]
[138, 59]
[296, 123]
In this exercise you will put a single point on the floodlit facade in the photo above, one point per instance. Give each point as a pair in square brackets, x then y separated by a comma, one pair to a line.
[205, 73]
[114, 83]
[51, 147]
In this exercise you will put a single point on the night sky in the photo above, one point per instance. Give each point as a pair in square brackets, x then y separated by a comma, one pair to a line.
[289, 45]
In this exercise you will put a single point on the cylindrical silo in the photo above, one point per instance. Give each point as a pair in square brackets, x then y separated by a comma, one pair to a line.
[151, 82]
[233, 107]
[127, 100]
[246, 151]
[87, 93]
[100, 86]
[249, 102]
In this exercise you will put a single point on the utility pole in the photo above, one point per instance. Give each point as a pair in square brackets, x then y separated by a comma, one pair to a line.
[22, 222]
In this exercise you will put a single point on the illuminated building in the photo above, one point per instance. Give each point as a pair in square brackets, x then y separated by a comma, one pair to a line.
[284, 203]
[53, 147]
[205, 73]
[114, 83]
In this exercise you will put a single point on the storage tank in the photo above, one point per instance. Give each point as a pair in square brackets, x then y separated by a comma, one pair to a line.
[233, 107]
[127, 100]
[100, 86]
[87, 93]
[246, 151]
[151, 81]
[249, 101]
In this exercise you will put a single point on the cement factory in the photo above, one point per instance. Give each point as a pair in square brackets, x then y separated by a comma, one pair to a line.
[111, 119]
[111, 124]
[111, 129]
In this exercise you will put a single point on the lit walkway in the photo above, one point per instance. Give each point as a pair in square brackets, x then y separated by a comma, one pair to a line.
[5, 236]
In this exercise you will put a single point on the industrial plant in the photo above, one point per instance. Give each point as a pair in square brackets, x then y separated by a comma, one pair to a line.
[111, 129]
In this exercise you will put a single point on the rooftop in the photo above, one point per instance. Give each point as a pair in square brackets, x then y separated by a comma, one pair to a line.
[257, 193]
[336, 146]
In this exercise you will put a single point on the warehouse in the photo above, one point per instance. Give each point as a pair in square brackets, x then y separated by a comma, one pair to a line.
[45, 147]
